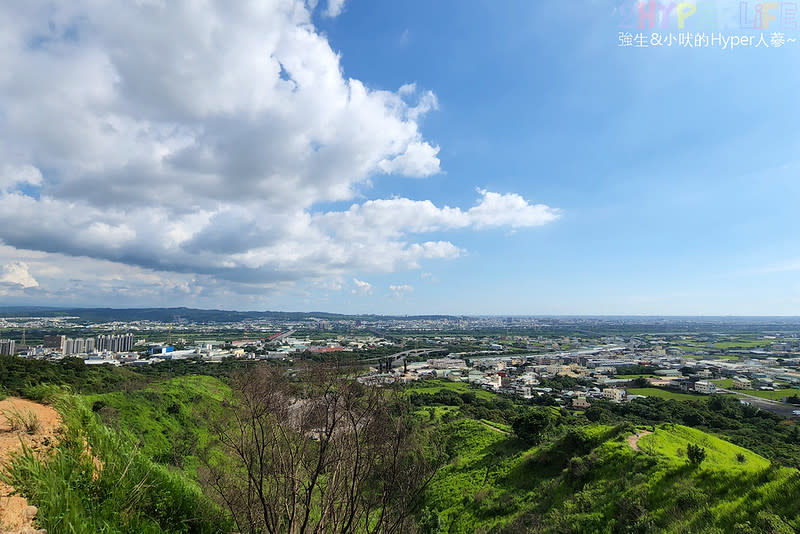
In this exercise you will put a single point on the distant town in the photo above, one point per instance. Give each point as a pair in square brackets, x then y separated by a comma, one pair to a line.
[560, 361]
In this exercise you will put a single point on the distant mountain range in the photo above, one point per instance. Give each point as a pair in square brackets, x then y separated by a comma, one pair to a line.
[188, 314]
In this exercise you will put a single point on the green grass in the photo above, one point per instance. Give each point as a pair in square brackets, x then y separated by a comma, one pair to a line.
[97, 481]
[166, 418]
[502, 427]
[671, 441]
[21, 420]
[631, 377]
[776, 395]
[742, 344]
[665, 394]
[434, 386]
[462, 489]
[594, 482]
[712, 356]
[583, 477]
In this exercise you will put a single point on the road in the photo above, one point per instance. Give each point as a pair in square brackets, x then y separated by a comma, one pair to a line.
[398, 357]
[780, 408]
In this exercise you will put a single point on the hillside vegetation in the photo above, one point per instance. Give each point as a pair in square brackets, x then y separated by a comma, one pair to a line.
[97, 479]
[130, 461]
[586, 477]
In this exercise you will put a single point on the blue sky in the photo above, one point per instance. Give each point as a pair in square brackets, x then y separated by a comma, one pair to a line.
[677, 170]
[672, 174]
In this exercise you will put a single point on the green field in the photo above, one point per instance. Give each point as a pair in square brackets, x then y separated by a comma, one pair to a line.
[690, 348]
[664, 394]
[777, 395]
[632, 377]
[717, 356]
[434, 386]
[742, 344]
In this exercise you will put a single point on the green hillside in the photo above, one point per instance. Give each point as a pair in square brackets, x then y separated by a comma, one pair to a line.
[587, 477]
[591, 480]
[603, 472]
[167, 419]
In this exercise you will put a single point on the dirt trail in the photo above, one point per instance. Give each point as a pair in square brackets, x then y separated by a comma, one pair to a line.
[15, 515]
[633, 440]
[490, 427]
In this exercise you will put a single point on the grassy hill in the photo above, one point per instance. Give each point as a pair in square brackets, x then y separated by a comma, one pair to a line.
[166, 419]
[128, 463]
[586, 477]
[591, 480]
[133, 474]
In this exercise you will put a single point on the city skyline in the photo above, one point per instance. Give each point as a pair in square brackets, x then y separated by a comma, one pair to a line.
[458, 158]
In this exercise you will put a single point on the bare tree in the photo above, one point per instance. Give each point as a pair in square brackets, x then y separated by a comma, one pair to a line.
[323, 454]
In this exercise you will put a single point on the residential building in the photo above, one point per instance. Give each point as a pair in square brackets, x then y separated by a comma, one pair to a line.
[741, 383]
[580, 403]
[7, 347]
[53, 342]
[704, 387]
[446, 363]
[614, 394]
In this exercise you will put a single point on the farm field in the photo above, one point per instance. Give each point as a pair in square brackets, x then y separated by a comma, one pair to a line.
[664, 394]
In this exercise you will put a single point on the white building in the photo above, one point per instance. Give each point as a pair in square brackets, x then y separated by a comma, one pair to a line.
[741, 383]
[614, 394]
[706, 388]
[446, 363]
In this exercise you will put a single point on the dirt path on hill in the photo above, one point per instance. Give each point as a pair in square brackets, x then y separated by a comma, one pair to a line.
[15, 515]
[490, 427]
[633, 440]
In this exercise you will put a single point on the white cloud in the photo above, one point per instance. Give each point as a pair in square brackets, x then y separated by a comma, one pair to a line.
[393, 217]
[185, 146]
[18, 274]
[496, 210]
[15, 175]
[362, 287]
[335, 8]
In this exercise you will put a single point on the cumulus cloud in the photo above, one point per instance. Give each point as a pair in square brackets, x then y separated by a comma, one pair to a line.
[396, 216]
[496, 210]
[18, 274]
[188, 145]
[362, 287]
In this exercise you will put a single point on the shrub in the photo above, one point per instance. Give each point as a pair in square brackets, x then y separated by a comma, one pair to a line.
[532, 425]
[695, 453]
[27, 421]
[46, 393]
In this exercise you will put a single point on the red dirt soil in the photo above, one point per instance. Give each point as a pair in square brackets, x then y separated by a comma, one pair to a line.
[15, 514]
